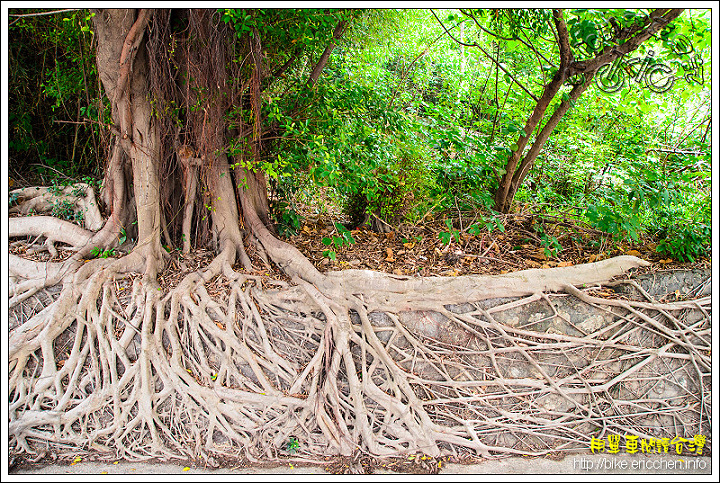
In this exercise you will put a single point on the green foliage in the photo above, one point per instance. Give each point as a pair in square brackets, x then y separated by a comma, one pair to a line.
[452, 234]
[685, 242]
[98, 253]
[66, 210]
[491, 223]
[287, 219]
[614, 220]
[551, 245]
[53, 88]
[343, 238]
[292, 445]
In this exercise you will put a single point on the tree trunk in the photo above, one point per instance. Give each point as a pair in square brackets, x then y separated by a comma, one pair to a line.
[504, 193]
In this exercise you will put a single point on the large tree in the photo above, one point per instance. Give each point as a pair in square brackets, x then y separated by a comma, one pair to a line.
[140, 356]
[602, 38]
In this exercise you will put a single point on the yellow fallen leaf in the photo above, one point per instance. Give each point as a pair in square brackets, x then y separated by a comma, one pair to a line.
[592, 258]
[77, 460]
[187, 468]
[115, 462]
[103, 472]
[408, 245]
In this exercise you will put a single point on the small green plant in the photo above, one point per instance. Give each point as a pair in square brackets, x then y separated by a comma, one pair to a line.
[292, 445]
[343, 238]
[447, 236]
[413, 239]
[13, 198]
[550, 244]
[491, 223]
[98, 253]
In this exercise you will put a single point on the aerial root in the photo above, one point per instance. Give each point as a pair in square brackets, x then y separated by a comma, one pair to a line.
[139, 373]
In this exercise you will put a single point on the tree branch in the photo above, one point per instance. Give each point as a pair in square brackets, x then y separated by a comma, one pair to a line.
[657, 22]
[337, 33]
[487, 55]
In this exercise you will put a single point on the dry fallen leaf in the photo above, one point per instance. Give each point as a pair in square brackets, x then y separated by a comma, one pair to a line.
[389, 257]
[565, 264]
[633, 253]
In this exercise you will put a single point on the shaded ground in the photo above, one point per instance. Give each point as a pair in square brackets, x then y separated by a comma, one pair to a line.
[419, 250]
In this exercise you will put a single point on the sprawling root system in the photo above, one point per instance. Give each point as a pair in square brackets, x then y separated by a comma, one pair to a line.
[263, 369]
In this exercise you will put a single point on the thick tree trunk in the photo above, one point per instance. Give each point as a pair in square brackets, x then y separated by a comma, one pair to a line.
[124, 71]
[504, 194]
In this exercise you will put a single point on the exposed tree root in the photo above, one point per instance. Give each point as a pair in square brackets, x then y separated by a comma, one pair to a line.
[78, 198]
[186, 374]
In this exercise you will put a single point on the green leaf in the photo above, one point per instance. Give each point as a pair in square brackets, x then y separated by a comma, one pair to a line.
[327, 241]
